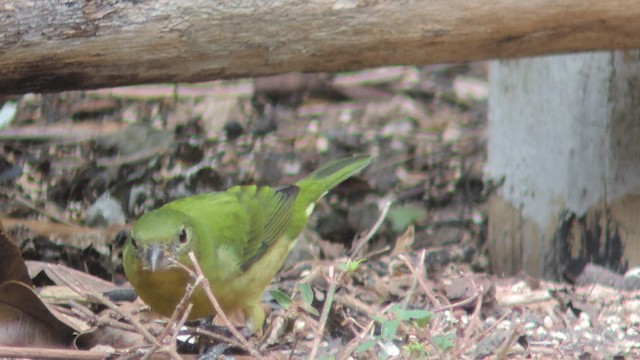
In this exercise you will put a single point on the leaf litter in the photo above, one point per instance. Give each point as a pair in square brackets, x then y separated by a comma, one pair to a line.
[393, 263]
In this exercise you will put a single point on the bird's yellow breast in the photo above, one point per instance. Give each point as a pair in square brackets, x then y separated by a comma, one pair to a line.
[162, 290]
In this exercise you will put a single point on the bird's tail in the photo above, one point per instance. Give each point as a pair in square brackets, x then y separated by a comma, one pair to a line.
[314, 186]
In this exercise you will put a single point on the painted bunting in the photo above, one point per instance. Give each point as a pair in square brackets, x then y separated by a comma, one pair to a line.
[240, 238]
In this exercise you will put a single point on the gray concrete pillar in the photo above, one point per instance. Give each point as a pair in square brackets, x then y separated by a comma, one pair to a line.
[564, 139]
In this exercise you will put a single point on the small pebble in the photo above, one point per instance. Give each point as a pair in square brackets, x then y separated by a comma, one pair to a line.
[548, 322]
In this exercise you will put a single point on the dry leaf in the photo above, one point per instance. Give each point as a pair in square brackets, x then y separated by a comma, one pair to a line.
[62, 275]
[26, 321]
[404, 242]
[12, 266]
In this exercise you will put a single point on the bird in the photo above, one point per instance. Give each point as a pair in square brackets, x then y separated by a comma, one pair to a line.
[240, 238]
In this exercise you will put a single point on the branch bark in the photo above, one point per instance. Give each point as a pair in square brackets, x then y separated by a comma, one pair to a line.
[60, 44]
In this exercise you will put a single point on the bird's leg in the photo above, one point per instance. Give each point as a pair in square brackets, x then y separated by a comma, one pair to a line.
[255, 316]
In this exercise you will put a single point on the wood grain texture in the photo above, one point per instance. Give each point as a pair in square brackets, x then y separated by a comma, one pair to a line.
[59, 44]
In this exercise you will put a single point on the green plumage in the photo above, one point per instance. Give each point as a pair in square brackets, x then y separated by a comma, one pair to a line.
[240, 237]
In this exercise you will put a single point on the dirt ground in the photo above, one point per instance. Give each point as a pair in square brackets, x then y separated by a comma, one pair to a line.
[393, 263]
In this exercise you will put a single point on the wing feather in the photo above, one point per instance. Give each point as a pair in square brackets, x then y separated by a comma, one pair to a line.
[272, 211]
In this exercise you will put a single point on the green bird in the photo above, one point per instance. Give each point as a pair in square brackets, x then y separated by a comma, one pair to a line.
[240, 237]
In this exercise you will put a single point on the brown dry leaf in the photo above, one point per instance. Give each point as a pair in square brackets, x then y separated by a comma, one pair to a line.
[120, 337]
[404, 242]
[331, 250]
[373, 77]
[77, 236]
[12, 266]
[221, 89]
[471, 88]
[134, 143]
[94, 106]
[293, 87]
[112, 336]
[399, 107]
[61, 275]
[464, 288]
[215, 113]
[62, 131]
[26, 321]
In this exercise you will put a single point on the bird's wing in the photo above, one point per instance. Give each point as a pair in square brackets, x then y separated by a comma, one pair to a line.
[239, 224]
[270, 212]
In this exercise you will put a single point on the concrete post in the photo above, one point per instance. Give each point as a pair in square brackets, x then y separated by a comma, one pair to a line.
[564, 138]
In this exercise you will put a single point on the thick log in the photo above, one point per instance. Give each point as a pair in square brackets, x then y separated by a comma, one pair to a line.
[60, 44]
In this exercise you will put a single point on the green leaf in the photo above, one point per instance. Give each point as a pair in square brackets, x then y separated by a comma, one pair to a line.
[389, 329]
[394, 308]
[352, 266]
[367, 345]
[414, 314]
[281, 298]
[402, 217]
[307, 293]
[415, 349]
[307, 299]
[422, 323]
[443, 342]
[310, 309]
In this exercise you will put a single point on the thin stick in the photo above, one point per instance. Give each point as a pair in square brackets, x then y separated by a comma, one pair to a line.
[96, 296]
[420, 271]
[39, 353]
[165, 331]
[325, 314]
[517, 331]
[207, 289]
[218, 337]
[28, 203]
[182, 308]
[374, 229]
[414, 283]
[185, 316]
[475, 316]
[353, 344]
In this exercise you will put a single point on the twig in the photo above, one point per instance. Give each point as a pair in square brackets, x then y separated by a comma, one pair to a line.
[147, 335]
[93, 295]
[421, 276]
[182, 308]
[180, 323]
[325, 314]
[207, 289]
[7, 352]
[129, 159]
[218, 337]
[414, 284]
[518, 330]
[170, 324]
[353, 344]
[475, 316]
[352, 302]
[28, 203]
[373, 230]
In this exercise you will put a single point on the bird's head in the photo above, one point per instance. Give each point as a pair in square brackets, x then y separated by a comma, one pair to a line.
[161, 237]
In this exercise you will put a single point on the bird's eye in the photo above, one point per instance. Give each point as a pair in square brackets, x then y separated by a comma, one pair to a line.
[134, 244]
[183, 236]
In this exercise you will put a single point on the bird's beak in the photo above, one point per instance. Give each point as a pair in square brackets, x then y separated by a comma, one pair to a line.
[156, 259]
